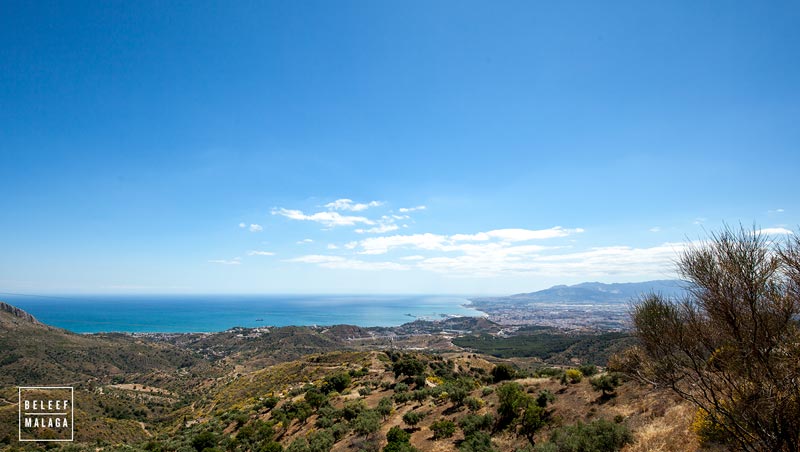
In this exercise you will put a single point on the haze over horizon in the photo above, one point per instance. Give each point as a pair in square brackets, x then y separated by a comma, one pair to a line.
[351, 147]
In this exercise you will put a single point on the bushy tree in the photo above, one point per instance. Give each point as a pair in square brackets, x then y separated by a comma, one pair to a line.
[503, 372]
[398, 441]
[316, 398]
[298, 445]
[204, 440]
[412, 418]
[472, 423]
[321, 441]
[408, 366]
[532, 420]
[732, 345]
[477, 442]
[597, 436]
[367, 422]
[443, 429]
[337, 382]
[512, 399]
[385, 407]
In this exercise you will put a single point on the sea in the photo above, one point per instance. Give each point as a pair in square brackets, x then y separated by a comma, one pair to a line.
[213, 313]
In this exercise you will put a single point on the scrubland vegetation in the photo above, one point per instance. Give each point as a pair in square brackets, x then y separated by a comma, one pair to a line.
[717, 370]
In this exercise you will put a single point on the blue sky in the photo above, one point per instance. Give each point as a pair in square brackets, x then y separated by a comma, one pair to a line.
[547, 143]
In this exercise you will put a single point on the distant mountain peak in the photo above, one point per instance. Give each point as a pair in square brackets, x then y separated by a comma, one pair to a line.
[599, 292]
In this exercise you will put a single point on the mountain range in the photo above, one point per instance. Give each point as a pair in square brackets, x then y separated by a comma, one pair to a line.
[595, 292]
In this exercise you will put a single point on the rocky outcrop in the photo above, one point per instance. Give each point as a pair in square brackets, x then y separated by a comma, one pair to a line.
[18, 313]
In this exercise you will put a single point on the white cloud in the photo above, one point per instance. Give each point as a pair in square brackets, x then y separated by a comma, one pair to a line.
[382, 245]
[775, 231]
[699, 221]
[415, 257]
[519, 235]
[655, 229]
[595, 262]
[242, 225]
[342, 263]
[380, 229]
[304, 241]
[260, 253]
[332, 246]
[349, 205]
[428, 241]
[255, 228]
[775, 211]
[329, 219]
[411, 209]
[234, 261]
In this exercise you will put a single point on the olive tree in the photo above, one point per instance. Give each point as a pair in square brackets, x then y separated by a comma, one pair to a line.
[731, 345]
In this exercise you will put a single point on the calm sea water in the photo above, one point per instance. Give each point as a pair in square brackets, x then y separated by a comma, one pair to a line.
[205, 313]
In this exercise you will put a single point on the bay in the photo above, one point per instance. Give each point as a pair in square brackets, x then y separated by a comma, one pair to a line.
[212, 313]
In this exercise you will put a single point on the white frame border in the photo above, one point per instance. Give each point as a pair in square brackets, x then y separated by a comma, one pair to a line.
[71, 417]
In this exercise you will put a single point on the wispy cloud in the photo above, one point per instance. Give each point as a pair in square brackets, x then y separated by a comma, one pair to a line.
[775, 211]
[655, 229]
[327, 218]
[305, 241]
[343, 263]
[349, 205]
[252, 228]
[596, 262]
[411, 209]
[498, 238]
[234, 261]
[260, 253]
[380, 229]
[492, 261]
[775, 231]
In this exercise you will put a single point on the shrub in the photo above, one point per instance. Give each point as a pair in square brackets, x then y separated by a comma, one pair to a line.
[544, 397]
[367, 422]
[204, 440]
[731, 346]
[707, 428]
[298, 445]
[398, 441]
[573, 375]
[477, 442]
[337, 382]
[443, 429]
[512, 399]
[503, 372]
[316, 398]
[473, 403]
[352, 409]
[597, 436]
[472, 423]
[588, 370]
[606, 383]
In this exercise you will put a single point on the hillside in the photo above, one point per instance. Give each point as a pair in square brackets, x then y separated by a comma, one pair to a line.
[323, 389]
